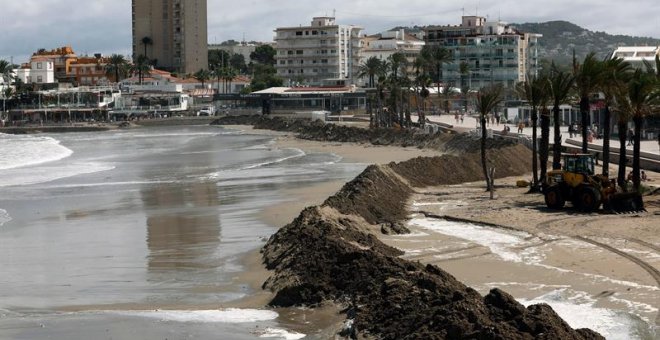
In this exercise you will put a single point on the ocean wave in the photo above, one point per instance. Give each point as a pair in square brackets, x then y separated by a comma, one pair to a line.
[298, 154]
[49, 173]
[230, 315]
[579, 311]
[4, 218]
[280, 334]
[24, 150]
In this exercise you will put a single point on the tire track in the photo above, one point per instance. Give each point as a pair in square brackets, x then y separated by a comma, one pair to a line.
[655, 273]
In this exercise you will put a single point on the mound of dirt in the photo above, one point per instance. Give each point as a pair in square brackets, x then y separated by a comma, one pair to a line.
[319, 131]
[324, 255]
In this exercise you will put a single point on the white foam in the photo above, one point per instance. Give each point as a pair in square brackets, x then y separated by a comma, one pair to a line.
[48, 173]
[579, 312]
[500, 243]
[230, 315]
[4, 217]
[281, 334]
[23, 150]
[298, 153]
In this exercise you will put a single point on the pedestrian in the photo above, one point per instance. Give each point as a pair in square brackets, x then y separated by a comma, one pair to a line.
[643, 176]
[570, 130]
[497, 118]
[462, 117]
[521, 126]
[631, 137]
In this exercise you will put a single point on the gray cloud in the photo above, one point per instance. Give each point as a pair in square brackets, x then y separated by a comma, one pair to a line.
[104, 26]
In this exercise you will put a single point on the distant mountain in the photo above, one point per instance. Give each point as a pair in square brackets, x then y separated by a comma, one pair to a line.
[560, 38]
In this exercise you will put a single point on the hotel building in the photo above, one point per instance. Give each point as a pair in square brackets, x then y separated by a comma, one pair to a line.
[495, 52]
[323, 53]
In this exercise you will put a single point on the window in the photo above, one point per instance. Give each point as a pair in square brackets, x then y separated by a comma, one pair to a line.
[299, 52]
[39, 66]
[40, 79]
[299, 33]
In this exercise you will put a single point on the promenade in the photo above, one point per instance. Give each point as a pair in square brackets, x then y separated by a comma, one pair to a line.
[470, 123]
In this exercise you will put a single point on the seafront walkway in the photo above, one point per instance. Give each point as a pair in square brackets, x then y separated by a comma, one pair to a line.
[649, 147]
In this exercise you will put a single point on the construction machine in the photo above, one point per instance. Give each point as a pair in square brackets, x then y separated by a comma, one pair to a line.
[576, 182]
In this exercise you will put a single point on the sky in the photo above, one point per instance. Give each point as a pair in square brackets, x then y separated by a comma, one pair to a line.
[104, 26]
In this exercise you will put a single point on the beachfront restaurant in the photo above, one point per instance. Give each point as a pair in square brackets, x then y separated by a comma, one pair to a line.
[289, 100]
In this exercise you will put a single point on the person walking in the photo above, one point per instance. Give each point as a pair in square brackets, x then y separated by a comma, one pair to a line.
[631, 137]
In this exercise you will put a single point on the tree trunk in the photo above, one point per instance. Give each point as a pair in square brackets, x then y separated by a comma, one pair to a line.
[535, 164]
[556, 150]
[483, 152]
[491, 180]
[584, 111]
[636, 149]
[621, 178]
[605, 127]
[545, 142]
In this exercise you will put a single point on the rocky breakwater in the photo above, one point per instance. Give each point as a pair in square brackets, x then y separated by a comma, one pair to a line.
[332, 254]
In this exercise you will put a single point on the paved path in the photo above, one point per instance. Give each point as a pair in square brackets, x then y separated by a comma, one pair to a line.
[471, 123]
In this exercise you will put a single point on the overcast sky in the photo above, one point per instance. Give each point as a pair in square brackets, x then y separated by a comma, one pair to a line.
[104, 26]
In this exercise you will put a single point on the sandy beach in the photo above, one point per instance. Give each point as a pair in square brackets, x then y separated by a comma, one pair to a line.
[612, 258]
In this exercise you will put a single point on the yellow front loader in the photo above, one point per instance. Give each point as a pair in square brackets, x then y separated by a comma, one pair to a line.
[577, 183]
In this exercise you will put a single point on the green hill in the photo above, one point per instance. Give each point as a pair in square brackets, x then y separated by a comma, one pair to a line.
[560, 38]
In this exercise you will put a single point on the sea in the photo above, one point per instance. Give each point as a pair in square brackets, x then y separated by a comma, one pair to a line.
[91, 222]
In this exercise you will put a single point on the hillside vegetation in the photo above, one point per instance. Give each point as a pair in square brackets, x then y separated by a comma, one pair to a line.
[560, 38]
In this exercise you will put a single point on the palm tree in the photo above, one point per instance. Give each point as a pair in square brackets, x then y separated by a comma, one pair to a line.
[370, 68]
[436, 56]
[542, 83]
[488, 99]
[397, 63]
[141, 67]
[146, 41]
[615, 74]
[641, 99]
[464, 69]
[421, 83]
[531, 91]
[117, 66]
[203, 76]
[229, 75]
[588, 77]
[559, 87]
[5, 76]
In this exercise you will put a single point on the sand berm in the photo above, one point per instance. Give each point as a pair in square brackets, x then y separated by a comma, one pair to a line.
[331, 253]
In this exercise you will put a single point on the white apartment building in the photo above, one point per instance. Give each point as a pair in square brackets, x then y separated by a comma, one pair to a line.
[384, 45]
[40, 70]
[636, 55]
[495, 52]
[323, 53]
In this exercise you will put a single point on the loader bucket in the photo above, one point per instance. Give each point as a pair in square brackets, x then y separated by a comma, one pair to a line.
[626, 202]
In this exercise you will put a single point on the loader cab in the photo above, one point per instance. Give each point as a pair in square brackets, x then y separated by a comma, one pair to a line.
[579, 163]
